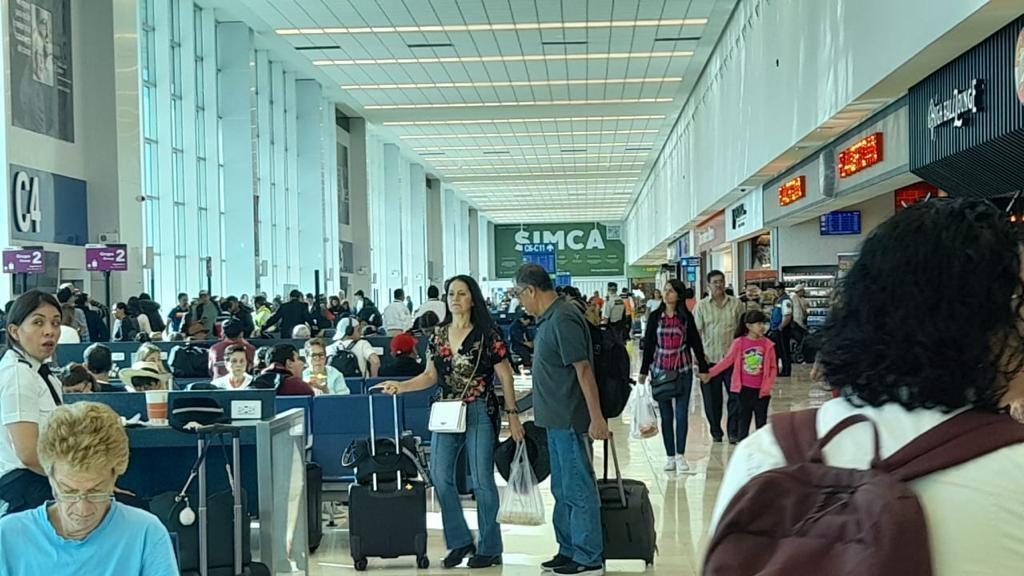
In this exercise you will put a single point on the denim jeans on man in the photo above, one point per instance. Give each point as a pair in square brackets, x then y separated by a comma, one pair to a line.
[444, 450]
[712, 392]
[675, 440]
[577, 515]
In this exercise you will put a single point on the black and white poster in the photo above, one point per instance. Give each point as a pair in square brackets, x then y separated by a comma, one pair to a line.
[42, 97]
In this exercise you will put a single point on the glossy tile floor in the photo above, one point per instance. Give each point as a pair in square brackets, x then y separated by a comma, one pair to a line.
[682, 504]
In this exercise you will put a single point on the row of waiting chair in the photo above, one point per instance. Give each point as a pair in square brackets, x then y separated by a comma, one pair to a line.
[334, 422]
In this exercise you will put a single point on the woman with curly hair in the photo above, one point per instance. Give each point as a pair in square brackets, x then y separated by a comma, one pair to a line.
[929, 323]
[466, 354]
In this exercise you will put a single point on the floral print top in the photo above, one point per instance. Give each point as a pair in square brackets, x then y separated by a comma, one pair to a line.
[455, 368]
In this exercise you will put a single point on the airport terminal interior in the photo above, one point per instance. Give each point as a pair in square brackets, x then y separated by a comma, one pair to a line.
[329, 286]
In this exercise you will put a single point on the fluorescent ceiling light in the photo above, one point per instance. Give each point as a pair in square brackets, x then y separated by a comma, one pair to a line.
[559, 165]
[519, 103]
[450, 159]
[520, 120]
[521, 146]
[595, 188]
[457, 175]
[526, 134]
[504, 58]
[495, 27]
[534, 181]
[510, 83]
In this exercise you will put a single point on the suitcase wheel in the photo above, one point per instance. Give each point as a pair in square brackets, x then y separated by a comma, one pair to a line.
[361, 564]
[422, 562]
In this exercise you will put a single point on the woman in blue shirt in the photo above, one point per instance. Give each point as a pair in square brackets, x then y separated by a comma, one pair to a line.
[83, 450]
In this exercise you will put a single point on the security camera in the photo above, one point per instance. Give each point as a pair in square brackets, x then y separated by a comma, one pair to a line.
[140, 198]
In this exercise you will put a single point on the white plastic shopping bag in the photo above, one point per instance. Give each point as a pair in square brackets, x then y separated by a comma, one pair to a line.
[521, 503]
[644, 416]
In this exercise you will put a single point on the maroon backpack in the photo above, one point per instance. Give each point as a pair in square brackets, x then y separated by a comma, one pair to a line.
[812, 518]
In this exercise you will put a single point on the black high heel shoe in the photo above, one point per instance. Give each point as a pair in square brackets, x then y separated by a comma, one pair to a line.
[456, 556]
[478, 561]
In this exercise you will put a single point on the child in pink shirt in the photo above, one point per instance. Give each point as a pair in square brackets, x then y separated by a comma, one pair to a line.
[755, 367]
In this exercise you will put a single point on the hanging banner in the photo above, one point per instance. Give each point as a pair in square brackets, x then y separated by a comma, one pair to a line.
[42, 84]
[582, 249]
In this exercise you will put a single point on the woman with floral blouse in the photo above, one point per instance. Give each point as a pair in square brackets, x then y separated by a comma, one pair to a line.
[466, 353]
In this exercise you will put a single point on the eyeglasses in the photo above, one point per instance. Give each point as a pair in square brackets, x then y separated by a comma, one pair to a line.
[91, 497]
[318, 355]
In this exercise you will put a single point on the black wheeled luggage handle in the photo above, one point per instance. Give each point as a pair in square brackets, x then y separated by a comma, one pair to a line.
[373, 439]
[205, 433]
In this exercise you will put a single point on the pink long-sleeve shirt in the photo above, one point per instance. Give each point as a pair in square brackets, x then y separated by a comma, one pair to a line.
[754, 364]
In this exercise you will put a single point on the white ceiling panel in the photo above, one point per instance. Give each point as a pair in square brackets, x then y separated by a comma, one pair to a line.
[516, 162]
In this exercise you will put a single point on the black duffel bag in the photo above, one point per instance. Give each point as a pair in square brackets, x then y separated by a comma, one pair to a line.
[387, 462]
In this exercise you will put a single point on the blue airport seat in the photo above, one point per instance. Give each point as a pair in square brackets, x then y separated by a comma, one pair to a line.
[285, 403]
[416, 412]
[339, 420]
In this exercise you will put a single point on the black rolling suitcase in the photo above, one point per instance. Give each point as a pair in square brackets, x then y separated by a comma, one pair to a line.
[387, 519]
[627, 517]
[314, 504]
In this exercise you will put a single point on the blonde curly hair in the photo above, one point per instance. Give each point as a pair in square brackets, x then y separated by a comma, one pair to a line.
[145, 350]
[87, 437]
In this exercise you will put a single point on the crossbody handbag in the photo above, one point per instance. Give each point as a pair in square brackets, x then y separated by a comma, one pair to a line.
[672, 383]
[449, 416]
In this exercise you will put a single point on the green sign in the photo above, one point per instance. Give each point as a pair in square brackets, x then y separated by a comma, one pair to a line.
[643, 271]
[583, 249]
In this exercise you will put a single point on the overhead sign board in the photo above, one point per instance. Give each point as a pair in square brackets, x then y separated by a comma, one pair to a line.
[840, 223]
[541, 254]
[582, 249]
[24, 261]
[106, 258]
[792, 190]
[862, 155]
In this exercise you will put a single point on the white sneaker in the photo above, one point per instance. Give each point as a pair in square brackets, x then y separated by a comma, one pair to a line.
[670, 464]
[682, 467]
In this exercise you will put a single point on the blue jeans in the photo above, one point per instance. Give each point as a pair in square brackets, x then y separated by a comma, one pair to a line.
[479, 440]
[577, 516]
[675, 443]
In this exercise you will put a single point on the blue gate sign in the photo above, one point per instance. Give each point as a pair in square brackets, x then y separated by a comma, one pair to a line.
[563, 279]
[541, 254]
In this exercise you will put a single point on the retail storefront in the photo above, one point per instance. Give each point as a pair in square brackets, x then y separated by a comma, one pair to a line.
[967, 121]
[752, 242]
[714, 250]
[824, 207]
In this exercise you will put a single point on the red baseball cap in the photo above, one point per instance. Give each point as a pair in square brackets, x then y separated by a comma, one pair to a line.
[403, 343]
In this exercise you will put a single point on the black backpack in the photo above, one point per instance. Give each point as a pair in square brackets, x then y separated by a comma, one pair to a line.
[346, 362]
[268, 381]
[611, 369]
[189, 361]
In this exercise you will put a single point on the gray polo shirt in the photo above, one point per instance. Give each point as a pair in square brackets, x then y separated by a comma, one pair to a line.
[562, 339]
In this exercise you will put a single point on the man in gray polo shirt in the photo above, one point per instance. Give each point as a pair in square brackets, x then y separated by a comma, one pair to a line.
[566, 403]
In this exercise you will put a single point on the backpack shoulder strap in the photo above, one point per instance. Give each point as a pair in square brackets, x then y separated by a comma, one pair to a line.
[960, 439]
[796, 433]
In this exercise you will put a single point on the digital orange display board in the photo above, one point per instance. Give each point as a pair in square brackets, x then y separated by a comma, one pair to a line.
[861, 155]
[792, 190]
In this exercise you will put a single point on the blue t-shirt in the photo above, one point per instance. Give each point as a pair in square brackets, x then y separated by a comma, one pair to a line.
[129, 542]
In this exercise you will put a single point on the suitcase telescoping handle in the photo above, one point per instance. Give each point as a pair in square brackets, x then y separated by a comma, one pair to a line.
[373, 437]
[615, 460]
[234, 479]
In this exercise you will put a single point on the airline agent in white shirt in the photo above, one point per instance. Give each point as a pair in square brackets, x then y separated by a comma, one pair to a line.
[396, 317]
[29, 394]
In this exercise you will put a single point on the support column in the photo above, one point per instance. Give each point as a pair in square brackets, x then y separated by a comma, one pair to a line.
[414, 237]
[473, 244]
[234, 54]
[435, 233]
[309, 202]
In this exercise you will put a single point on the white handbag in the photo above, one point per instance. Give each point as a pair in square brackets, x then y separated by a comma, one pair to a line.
[449, 416]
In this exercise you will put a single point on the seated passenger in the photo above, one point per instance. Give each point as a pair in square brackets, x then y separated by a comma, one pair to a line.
[348, 337]
[909, 350]
[301, 332]
[284, 373]
[404, 359]
[323, 377]
[99, 363]
[78, 380]
[519, 337]
[144, 377]
[149, 352]
[83, 450]
[236, 378]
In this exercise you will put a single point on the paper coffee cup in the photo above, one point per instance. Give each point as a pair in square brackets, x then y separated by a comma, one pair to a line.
[156, 406]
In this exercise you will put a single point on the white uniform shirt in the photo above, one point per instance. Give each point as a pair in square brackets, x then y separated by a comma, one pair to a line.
[435, 306]
[975, 511]
[396, 317]
[24, 397]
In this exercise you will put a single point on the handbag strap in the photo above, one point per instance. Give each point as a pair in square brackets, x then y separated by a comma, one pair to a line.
[479, 355]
